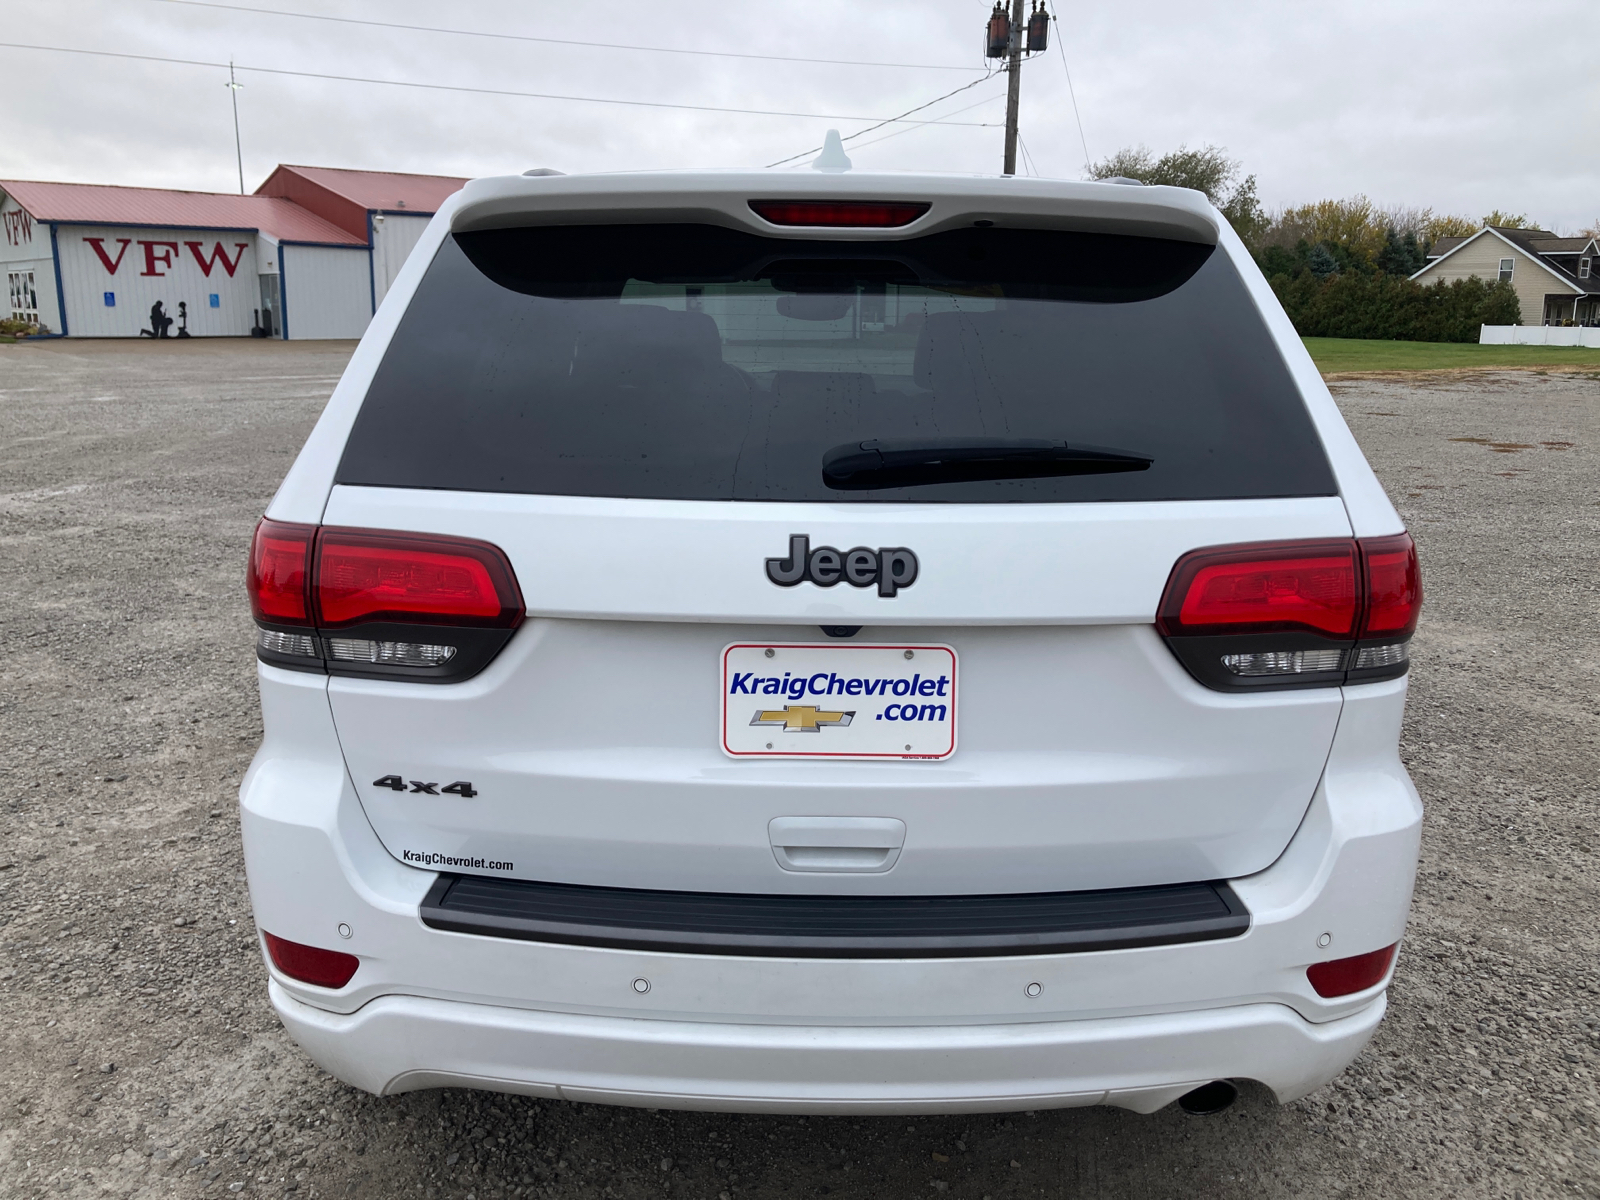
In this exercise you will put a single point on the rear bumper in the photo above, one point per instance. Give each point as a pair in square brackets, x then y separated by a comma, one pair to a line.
[403, 1043]
[1134, 1027]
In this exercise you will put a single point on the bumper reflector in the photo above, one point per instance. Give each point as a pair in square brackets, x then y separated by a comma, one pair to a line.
[1346, 976]
[397, 654]
[310, 964]
[300, 644]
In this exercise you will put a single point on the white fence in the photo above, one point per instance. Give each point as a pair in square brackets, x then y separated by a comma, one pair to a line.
[1538, 335]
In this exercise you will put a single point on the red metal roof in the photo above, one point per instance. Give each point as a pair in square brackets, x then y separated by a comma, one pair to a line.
[98, 204]
[384, 191]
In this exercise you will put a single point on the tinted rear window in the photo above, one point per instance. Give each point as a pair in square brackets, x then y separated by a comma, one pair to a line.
[690, 362]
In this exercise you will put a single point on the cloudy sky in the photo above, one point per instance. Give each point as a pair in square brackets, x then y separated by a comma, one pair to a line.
[1461, 106]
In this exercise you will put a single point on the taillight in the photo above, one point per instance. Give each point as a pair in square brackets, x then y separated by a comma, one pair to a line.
[1347, 976]
[379, 603]
[1293, 614]
[366, 575]
[1394, 587]
[311, 964]
[279, 573]
[1236, 589]
[840, 213]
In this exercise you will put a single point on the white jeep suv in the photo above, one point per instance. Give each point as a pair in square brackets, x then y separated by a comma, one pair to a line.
[831, 643]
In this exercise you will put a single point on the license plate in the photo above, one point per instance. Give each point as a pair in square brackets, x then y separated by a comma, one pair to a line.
[788, 700]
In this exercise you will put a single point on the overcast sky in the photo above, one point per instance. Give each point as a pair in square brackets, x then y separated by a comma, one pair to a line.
[1461, 106]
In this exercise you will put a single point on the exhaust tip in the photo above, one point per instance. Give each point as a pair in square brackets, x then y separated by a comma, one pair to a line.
[1209, 1098]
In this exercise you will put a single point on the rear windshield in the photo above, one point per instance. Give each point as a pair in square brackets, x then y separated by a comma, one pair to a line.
[692, 362]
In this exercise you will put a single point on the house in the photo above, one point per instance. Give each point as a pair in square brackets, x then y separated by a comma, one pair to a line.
[1557, 279]
[309, 255]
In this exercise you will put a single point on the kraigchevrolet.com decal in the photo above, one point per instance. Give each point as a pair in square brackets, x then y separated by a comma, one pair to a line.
[428, 858]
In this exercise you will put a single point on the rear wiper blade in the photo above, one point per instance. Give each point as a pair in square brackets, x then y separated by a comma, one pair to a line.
[912, 462]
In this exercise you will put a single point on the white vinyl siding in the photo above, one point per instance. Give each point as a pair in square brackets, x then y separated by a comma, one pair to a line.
[393, 237]
[327, 291]
[145, 270]
[21, 237]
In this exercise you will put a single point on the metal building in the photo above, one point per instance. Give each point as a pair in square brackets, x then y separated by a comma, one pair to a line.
[309, 255]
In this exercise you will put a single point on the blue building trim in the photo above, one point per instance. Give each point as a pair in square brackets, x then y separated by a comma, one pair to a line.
[283, 295]
[61, 293]
[372, 264]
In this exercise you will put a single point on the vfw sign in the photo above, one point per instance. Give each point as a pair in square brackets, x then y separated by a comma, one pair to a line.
[158, 283]
[158, 255]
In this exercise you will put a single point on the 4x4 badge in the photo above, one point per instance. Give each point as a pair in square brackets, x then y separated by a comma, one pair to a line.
[890, 567]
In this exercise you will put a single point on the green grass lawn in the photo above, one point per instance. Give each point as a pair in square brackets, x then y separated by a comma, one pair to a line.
[1333, 355]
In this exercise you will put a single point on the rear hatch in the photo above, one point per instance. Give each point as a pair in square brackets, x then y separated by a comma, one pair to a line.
[840, 558]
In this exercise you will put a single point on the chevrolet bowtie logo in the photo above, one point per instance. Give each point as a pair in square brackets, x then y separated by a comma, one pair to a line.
[800, 718]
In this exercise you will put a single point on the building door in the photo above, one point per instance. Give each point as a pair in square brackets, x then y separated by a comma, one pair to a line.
[271, 306]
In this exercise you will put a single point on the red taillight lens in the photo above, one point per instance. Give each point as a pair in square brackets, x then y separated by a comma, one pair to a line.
[1394, 587]
[310, 964]
[1280, 586]
[1346, 976]
[279, 569]
[848, 213]
[416, 579]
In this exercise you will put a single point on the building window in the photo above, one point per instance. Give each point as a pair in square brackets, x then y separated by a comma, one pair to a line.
[1583, 268]
[1505, 269]
[24, 299]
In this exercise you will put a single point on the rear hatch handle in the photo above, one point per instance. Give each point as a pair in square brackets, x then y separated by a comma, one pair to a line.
[861, 844]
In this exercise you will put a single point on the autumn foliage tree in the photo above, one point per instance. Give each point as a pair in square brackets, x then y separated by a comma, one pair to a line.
[1341, 268]
[1208, 170]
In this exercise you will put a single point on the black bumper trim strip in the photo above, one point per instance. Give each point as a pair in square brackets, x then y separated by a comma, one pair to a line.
[804, 926]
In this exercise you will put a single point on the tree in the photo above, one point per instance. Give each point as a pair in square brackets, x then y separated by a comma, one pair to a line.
[1508, 221]
[1401, 255]
[1208, 170]
[1433, 228]
[1355, 231]
[1322, 262]
[1353, 305]
[1351, 230]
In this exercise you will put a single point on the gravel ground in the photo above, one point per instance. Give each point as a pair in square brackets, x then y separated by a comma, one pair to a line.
[138, 1055]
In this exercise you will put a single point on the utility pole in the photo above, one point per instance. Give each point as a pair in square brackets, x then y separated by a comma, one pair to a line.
[1013, 87]
[1003, 39]
[233, 86]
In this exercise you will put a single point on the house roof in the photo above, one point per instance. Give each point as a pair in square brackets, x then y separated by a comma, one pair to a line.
[1555, 245]
[1444, 245]
[1524, 239]
[101, 204]
[383, 191]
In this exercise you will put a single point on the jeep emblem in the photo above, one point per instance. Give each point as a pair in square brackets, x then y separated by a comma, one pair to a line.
[890, 567]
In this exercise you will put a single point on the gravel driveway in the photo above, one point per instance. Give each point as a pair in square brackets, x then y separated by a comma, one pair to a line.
[137, 1052]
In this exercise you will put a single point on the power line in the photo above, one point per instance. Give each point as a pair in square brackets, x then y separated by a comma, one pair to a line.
[1033, 168]
[1087, 166]
[892, 120]
[482, 91]
[914, 128]
[520, 37]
